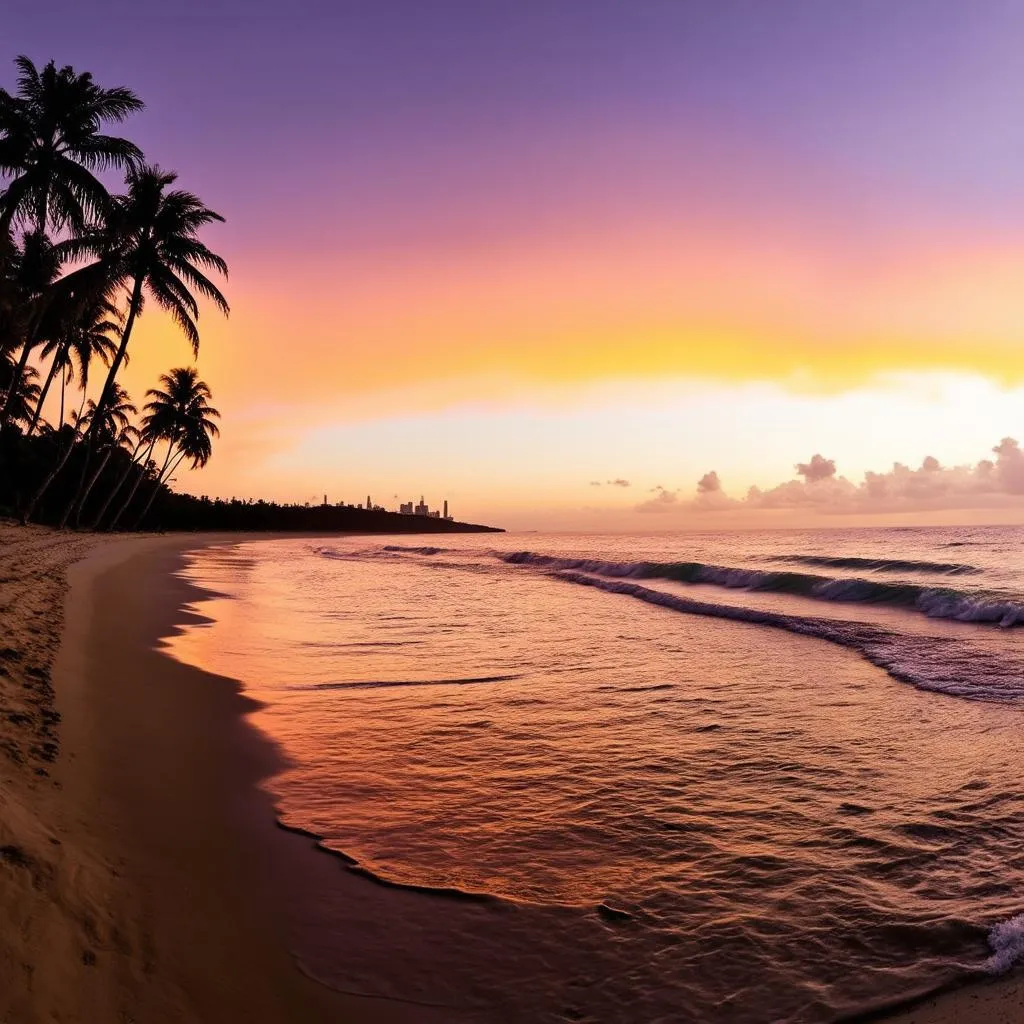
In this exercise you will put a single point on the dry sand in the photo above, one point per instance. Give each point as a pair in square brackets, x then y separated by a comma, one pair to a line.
[140, 872]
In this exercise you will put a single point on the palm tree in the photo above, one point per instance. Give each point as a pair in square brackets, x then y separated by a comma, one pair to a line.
[51, 145]
[138, 457]
[33, 268]
[149, 243]
[115, 419]
[115, 431]
[11, 308]
[181, 416]
[81, 332]
[22, 388]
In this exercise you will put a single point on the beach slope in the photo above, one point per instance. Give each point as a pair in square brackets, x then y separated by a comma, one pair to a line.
[132, 886]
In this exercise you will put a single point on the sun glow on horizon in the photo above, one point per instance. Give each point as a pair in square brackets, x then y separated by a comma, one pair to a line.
[511, 226]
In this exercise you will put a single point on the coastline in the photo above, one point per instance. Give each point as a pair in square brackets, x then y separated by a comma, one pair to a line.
[142, 871]
[151, 878]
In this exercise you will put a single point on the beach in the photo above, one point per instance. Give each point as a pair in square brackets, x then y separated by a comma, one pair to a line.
[139, 859]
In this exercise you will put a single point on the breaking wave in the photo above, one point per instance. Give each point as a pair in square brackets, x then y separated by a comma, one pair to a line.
[1006, 940]
[415, 551]
[939, 664]
[883, 564]
[935, 602]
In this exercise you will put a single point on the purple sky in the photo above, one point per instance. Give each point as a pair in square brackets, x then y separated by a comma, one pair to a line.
[360, 104]
[435, 202]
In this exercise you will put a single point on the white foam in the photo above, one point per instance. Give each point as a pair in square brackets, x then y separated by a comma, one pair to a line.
[1006, 940]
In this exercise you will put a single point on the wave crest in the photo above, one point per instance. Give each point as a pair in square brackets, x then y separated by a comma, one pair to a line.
[936, 664]
[883, 564]
[935, 602]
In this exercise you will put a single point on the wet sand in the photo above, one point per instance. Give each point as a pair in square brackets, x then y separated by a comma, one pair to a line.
[991, 1001]
[139, 862]
[141, 875]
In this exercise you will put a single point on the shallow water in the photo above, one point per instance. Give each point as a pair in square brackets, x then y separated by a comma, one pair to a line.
[742, 777]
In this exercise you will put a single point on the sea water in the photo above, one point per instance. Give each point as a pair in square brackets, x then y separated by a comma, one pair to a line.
[746, 777]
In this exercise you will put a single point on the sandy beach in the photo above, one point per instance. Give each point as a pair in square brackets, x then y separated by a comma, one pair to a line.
[141, 873]
[129, 813]
[993, 1001]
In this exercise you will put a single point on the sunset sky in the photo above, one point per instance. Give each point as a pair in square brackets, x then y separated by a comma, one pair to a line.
[511, 251]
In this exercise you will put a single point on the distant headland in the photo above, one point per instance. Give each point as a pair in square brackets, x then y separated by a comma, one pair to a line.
[186, 512]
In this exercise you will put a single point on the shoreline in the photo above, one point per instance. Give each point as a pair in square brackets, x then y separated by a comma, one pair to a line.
[144, 872]
[154, 870]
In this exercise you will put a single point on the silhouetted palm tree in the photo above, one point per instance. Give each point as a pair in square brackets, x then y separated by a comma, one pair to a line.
[149, 243]
[33, 267]
[110, 420]
[181, 416]
[21, 385]
[112, 432]
[51, 145]
[80, 332]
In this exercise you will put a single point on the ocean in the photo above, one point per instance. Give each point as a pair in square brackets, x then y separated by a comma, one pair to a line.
[747, 777]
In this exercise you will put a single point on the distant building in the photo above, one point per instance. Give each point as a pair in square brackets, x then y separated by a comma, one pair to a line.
[405, 508]
[421, 508]
[445, 508]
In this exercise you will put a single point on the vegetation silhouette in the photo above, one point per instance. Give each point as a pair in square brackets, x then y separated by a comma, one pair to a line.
[79, 265]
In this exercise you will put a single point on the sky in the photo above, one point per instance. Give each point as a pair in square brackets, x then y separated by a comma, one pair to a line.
[508, 253]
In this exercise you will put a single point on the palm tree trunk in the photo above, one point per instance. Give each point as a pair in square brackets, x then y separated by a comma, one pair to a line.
[63, 392]
[75, 501]
[62, 459]
[101, 404]
[98, 518]
[58, 358]
[159, 484]
[92, 483]
[131, 494]
[166, 475]
[26, 512]
[115, 366]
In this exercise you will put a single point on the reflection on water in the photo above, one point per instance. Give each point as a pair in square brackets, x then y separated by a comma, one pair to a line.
[684, 810]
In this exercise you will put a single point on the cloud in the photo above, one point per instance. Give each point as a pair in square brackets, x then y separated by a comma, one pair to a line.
[710, 494]
[663, 501]
[817, 469]
[1010, 465]
[618, 483]
[819, 486]
[709, 483]
[595, 483]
